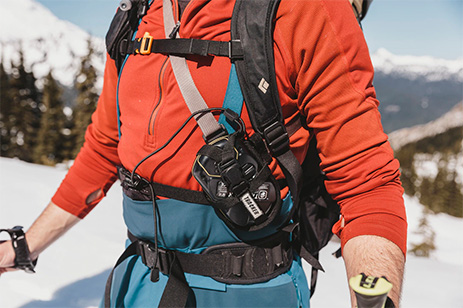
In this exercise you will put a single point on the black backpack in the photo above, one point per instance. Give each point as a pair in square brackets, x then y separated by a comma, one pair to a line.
[252, 41]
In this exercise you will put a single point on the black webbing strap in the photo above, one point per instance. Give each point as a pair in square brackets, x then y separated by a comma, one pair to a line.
[236, 263]
[316, 266]
[140, 190]
[129, 251]
[180, 194]
[183, 47]
[176, 290]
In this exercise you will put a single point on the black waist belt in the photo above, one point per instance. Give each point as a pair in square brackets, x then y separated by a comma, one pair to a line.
[236, 263]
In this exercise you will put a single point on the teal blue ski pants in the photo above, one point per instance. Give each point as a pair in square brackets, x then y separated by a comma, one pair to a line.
[191, 228]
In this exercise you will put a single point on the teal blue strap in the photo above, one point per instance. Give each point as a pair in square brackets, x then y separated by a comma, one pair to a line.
[233, 98]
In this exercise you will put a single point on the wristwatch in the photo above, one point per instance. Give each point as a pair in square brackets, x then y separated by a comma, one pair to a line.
[22, 258]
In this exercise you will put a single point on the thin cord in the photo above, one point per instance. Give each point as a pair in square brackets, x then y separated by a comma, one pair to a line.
[173, 136]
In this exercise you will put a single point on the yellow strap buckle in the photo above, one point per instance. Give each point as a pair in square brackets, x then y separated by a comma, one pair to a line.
[146, 43]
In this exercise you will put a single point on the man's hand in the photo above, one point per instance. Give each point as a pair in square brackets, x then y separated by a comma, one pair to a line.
[7, 256]
[375, 256]
[51, 224]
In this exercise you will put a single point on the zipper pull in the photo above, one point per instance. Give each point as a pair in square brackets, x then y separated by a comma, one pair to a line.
[174, 30]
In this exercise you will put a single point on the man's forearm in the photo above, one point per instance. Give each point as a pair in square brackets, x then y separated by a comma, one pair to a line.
[376, 256]
[48, 227]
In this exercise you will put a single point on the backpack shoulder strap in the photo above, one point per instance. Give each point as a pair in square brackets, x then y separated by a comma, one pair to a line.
[252, 25]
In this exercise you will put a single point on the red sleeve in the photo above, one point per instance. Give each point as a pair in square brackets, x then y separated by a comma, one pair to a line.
[94, 169]
[333, 78]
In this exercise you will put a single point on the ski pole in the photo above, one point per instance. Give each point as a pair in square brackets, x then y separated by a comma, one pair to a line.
[371, 291]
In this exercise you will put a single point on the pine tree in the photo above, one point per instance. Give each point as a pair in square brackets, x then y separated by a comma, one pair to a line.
[5, 112]
[453, 198]
[86, 99]
[440, 193]
[25, 111]
[50, 136]
[427, 246]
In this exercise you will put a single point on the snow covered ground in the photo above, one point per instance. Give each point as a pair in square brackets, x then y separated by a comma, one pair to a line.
[72, 272]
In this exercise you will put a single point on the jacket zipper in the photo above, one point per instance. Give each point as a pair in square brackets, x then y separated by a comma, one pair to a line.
[155, 110]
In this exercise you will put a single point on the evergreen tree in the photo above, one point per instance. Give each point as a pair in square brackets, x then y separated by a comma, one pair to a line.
[86, 99]
[427, 246]
[25, 113]
[408, 174]
[50, 136]
[440, 193]
[453, 198]
[5, 112]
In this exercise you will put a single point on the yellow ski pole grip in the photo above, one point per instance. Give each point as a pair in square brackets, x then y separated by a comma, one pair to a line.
[370, 291]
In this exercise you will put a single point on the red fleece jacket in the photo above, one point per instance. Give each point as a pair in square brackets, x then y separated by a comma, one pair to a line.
[324, 74]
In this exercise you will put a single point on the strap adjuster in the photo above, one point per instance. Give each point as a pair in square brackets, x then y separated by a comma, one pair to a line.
[276, 138]
[146, 44]
[235, 50]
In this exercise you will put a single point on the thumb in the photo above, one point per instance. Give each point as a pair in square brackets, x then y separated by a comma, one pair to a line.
[7, 255]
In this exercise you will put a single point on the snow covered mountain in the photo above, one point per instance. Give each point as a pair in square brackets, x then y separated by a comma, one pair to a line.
[412, 90]
[412, 67]
[47, 42]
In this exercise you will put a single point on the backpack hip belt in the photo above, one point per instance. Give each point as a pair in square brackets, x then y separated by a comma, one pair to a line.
[233, 263]
[236, 263]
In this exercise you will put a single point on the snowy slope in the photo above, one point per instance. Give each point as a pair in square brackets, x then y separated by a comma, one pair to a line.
[72, 272]
[47, 42]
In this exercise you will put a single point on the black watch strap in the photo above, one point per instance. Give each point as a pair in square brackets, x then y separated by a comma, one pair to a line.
[22, 259]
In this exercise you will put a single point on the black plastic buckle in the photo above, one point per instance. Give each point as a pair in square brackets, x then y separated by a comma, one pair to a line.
[166, 258]
[230, 172]
[22, 258]
[235, 50]
[137, 182]
[149, 257]
[276, 138]
[221, 132]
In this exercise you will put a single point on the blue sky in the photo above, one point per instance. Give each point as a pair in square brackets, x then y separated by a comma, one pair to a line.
[412, 27]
